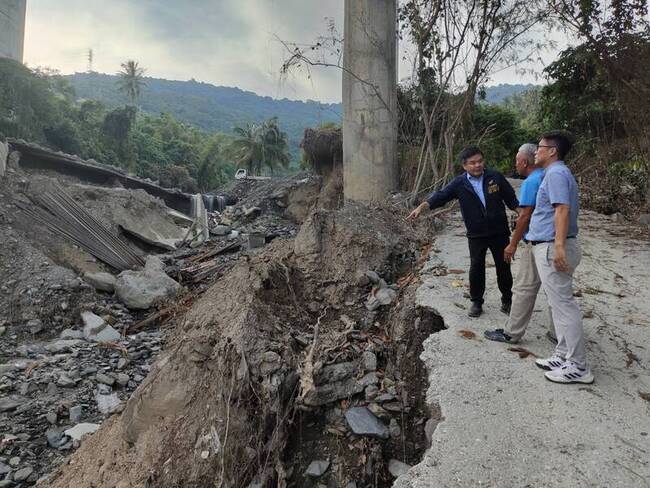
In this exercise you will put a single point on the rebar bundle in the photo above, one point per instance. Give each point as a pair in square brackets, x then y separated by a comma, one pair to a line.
[62, 215]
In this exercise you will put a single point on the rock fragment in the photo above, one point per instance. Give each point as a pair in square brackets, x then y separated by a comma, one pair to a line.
[363, 422]
[101, 281]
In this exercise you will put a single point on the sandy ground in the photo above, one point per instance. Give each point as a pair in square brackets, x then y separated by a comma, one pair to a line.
[504, 425]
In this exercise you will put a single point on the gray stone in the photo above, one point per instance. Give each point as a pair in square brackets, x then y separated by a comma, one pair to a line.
[373, 277]
[35, 326]
[71, 334]
[644, 219]
[4, 469]
[23, 474]
[65, 381]
[13, 160]
[363, 422]
[371, 392]
[395, 429]
[335, 372]
[317, 468]
[51, 417]
[122, 363]
[101, 281]
[55, 438]
[143, 289]
[397, 468]
[97, 330]
[385, 296]
[220, 230]
[75, 413]
[369, 361]
[9, 403]
[330, 392]
[105, 379]
[369, 379]
[372, 303]
[107, 404]
[6, 483]
[80, 430]
[14, 461]
[62, 345]
[123, 379]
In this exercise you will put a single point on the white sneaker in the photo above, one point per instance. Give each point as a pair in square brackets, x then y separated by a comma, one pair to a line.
[549, 364]
[570, 373]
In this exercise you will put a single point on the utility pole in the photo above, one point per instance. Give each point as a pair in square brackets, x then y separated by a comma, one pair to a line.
[370, 99]
[90, 60]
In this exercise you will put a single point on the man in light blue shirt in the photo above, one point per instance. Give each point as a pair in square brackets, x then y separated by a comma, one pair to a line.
[527, 282]
[553, 233]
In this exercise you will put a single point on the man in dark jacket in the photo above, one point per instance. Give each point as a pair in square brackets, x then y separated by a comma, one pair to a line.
[482, 194]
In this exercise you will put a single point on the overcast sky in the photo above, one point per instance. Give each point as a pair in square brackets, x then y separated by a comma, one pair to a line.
[224, 42]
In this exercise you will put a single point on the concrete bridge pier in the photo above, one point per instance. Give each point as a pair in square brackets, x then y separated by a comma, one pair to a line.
[370, 99]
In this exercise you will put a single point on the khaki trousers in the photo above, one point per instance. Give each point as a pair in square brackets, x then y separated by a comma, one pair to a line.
[558, 287]
[524, 295]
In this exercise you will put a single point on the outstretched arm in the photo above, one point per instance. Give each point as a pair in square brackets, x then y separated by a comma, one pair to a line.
[435, 200]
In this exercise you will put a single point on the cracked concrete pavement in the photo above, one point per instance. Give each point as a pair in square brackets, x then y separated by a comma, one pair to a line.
[503, 424]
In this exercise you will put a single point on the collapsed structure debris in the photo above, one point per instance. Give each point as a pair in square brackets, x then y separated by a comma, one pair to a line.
[61, 214]
[285, 353]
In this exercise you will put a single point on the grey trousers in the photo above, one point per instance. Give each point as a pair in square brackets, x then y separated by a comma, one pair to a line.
[558, 287]
[524, 295]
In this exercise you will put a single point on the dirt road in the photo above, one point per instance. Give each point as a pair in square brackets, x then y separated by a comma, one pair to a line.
[503, 424]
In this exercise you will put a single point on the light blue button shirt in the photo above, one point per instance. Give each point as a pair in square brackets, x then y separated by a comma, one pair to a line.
[477, 184]
[558, 187]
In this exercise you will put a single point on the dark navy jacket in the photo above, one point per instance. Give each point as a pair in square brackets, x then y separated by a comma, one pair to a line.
[480, 221]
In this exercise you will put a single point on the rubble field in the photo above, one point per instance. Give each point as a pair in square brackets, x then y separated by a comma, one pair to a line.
[284, 351]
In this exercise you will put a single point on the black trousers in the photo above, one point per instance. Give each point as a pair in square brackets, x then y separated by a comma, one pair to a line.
[478, 247]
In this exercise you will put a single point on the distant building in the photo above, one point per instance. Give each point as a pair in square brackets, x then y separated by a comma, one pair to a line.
[12, 28]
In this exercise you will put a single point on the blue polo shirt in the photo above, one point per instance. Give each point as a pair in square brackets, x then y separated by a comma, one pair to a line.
[558, 187]
[529, 189]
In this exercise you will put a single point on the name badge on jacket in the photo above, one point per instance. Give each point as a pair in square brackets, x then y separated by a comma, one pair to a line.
[492, 187]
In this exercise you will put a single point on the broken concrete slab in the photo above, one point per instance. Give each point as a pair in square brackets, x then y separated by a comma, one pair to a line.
[97, 330]
[363, 422]
[80, 430]
[101, 281]
[143, 289]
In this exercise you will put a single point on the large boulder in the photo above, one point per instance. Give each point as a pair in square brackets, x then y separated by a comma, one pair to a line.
[143, 289]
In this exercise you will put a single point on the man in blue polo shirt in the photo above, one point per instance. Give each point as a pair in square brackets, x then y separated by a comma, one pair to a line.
[482, 194]
[554, 235]
[527, 283]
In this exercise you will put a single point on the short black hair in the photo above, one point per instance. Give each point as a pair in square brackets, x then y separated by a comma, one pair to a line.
[468, 152]
[561, 139]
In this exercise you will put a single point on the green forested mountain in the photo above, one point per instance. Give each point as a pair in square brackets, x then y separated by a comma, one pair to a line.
[497, 94]
[210, 107]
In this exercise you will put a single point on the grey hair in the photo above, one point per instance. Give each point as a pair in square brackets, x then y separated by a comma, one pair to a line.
[529, 150]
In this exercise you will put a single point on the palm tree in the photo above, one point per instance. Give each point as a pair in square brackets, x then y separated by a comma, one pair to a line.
[131, 80]
[258, 145]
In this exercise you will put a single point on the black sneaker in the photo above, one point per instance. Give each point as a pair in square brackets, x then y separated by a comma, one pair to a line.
[475, 310]
[497, 335]
[505, 307]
